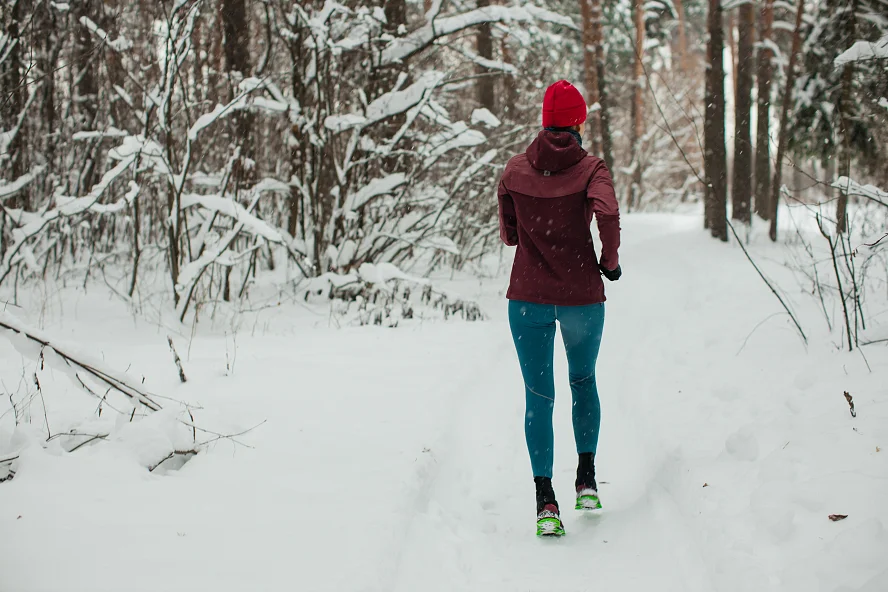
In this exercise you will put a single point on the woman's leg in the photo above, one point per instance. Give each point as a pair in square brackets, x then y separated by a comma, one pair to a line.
[533, 330]
[581, 329]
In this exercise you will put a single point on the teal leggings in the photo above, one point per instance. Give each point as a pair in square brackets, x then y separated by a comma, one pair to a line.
[533, 330]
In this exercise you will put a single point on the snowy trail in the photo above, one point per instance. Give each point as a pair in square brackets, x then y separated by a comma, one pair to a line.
[476, 531]
[394, 460]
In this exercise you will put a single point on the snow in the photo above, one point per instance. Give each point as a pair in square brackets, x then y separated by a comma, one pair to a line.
[120, 44]
[864, 51]
[387, 105]
[10, 189]
[852, 187]
[458, 136]
[394, 460]
[374, 188]
[484, 116]
[206, 120]
[109, 133]
[403, 47]
[232, 209]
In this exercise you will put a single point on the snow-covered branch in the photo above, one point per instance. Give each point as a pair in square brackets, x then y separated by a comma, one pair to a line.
[864, 51]
[74, 359]
[403, 47]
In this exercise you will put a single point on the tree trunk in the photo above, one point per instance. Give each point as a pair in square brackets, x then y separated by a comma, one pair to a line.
[511, 89]
[116, 74]
[763, 125]
[86, 90]
[12, 101]
[845, 108]
[715, 154]
[683, 57]
[607, 143]
[237, 63]
[590, 70]
[732, 43]
[635, 189]
[784, 118]
[47, 41]
[742, 187]
[484, 45]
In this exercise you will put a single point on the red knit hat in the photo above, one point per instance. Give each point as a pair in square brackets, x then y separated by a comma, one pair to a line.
[563, 105]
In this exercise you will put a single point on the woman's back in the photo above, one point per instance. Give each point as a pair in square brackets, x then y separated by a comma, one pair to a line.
[548, 197]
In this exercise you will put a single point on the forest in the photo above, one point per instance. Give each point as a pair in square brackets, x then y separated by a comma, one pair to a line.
[176, 151]
[252, 279]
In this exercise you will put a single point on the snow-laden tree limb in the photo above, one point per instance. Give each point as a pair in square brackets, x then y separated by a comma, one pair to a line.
[66, 207]
[864, 51]
[373, 189]
[119, 44]
[402, 48]
[74, 359]
[388, 105]
[853, 188]
[13, 187]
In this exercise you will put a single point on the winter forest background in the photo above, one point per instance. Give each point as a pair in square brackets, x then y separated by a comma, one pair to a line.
[176, 151]
[198, 170]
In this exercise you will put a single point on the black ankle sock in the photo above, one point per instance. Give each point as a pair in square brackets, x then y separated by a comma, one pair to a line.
[544, 493]
[586, 470]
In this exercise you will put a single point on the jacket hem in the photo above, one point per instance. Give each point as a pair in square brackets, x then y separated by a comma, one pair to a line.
[556, 301]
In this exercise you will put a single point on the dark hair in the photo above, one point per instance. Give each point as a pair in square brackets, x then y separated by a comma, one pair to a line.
[572, 128]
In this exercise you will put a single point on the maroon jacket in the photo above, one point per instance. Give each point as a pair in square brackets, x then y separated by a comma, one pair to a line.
[547, 197]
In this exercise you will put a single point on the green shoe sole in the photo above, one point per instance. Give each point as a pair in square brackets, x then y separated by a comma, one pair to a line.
[588, 502]
[549, 527]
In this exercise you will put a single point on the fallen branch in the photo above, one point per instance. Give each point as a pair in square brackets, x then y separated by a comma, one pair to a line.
[108, 377]
[187, 453]
[177, 360]
[767, 283]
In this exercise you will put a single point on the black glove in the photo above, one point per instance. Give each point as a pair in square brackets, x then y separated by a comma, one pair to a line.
[612, 275]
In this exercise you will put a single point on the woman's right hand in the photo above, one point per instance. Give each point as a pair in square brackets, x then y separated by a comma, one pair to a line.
[612, 275]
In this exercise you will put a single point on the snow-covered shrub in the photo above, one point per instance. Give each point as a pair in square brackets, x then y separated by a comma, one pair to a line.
[383, 295]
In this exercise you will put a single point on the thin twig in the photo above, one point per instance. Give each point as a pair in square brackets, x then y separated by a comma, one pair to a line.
[754, 329]
[767, 283]
[171, 455]
[832, 248]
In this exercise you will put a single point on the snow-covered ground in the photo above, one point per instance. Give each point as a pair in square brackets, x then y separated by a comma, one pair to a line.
[394, 459]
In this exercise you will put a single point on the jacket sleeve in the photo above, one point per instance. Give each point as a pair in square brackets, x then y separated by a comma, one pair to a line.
[607, 213]
[508, 221]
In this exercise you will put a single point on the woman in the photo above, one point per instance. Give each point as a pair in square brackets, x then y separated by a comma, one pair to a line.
[547, 198]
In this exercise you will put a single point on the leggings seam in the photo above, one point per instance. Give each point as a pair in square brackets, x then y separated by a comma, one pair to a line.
[584, 379]
[538, 394]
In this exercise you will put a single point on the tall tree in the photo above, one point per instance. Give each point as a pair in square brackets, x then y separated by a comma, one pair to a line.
[683, 56]
[846, 111]
[834, 116]
[12, 101]
[607, 143]
[784, 118]
[715, 157]
[484, 46]
[86, 86]
[47, 44]
[763, 114]
[635, 190]
[590, 71]
[236, 29]
[741, 196]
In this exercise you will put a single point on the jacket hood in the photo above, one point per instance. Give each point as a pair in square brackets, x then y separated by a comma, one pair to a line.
[554, 151]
